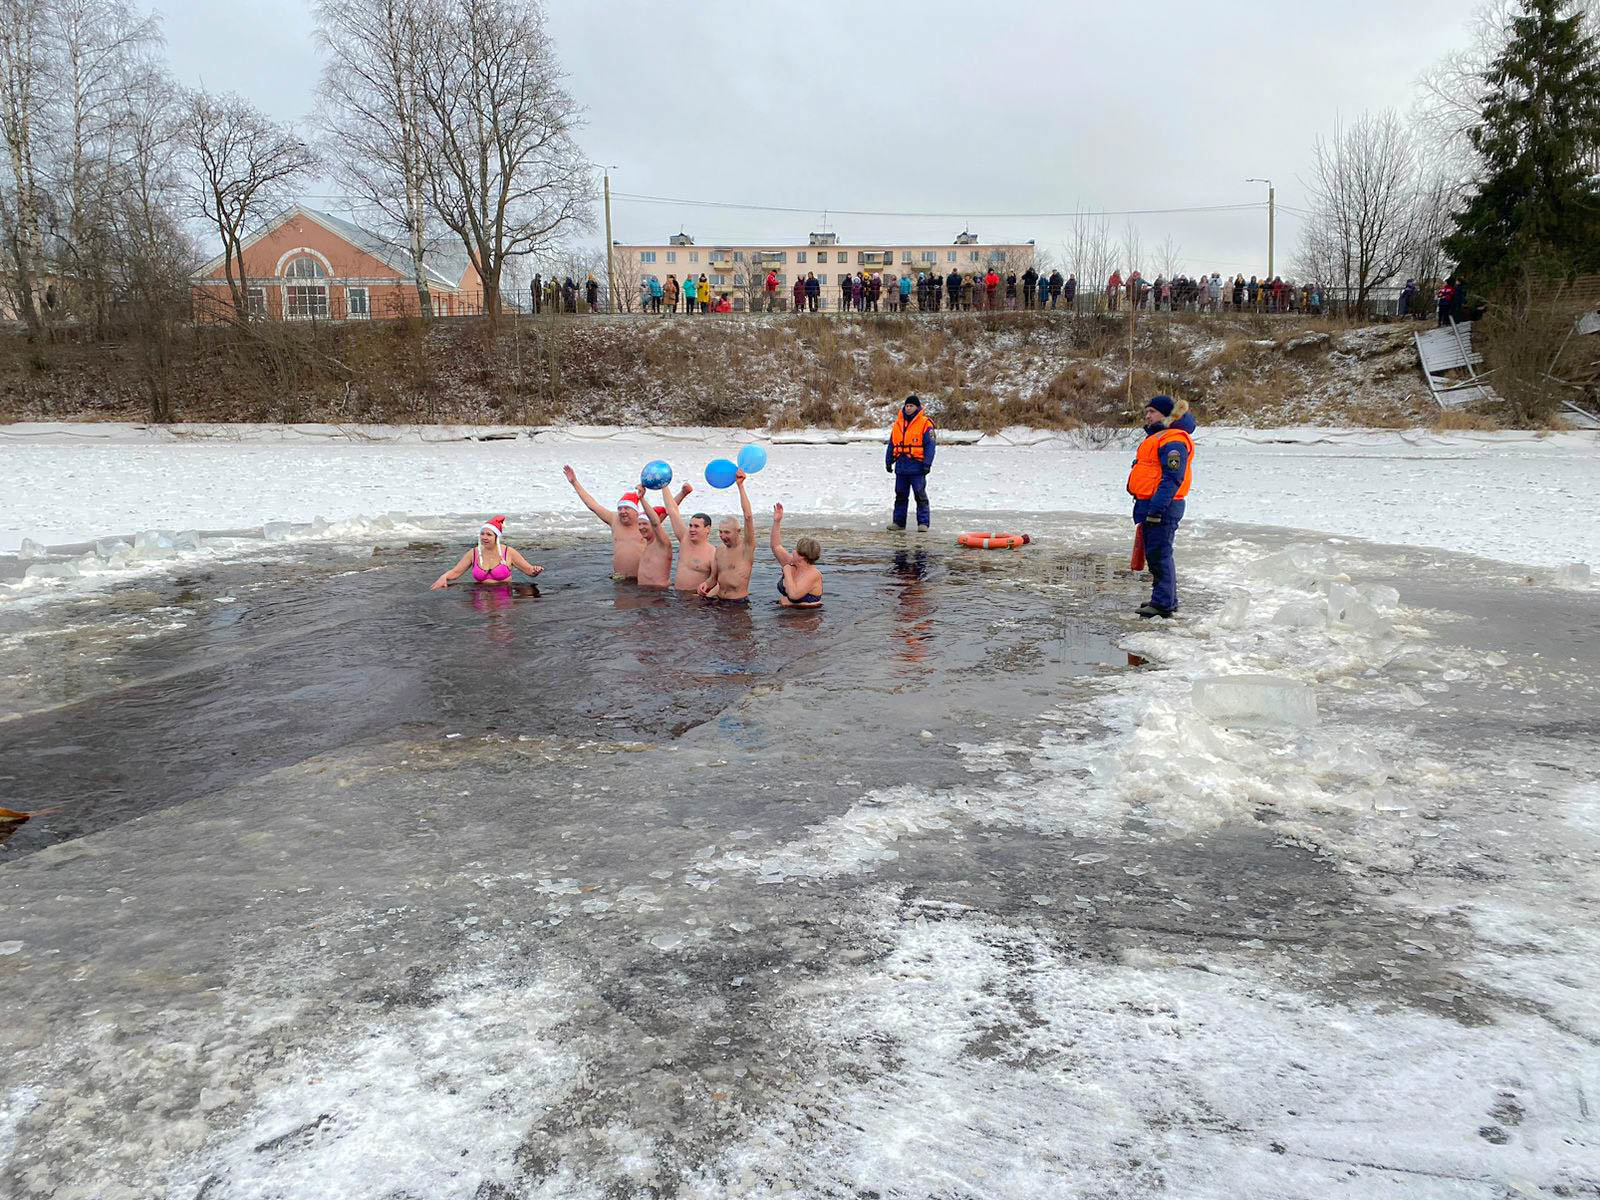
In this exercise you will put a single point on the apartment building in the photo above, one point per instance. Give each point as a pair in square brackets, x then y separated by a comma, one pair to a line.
[739, 270]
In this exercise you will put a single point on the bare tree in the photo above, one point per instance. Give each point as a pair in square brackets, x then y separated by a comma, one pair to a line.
[1169, 256]
[372, 124]
[1132, 247]
[1091, 256]
[156, 255]
[101, 50]
[503, 171]
[24, 78]
[244, 168]
[1364, 201]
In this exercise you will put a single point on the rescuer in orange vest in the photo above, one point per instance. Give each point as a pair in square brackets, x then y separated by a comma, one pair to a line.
[1159, 484]
[910, 457]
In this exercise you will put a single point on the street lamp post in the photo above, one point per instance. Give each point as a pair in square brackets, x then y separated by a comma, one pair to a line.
[1272, 218]
[611, 272]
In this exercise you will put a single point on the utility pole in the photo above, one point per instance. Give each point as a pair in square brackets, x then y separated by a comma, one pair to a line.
[1272, 218]
[611, 269]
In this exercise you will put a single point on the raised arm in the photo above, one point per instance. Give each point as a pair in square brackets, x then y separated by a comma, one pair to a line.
[454, 572]
[514, 557]
[678, 529]
[589, 502]
[654, 517]
[776, 540]
[749, 519]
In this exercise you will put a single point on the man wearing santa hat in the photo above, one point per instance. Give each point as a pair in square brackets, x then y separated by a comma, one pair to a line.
[629, 535]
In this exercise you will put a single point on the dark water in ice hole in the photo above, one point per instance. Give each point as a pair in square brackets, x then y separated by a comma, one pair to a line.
[312, 657]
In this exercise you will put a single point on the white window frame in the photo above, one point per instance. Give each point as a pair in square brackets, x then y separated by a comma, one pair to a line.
[672, 256]
[255, 302]
[647, 256]
[292, 310]
[350, 312]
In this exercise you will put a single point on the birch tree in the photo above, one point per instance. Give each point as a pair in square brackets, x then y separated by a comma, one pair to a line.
[24, 79]
[100, 49]
[503, 171]
[372, 122]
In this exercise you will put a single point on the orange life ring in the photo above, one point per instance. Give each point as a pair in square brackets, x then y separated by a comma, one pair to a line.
[993, 541]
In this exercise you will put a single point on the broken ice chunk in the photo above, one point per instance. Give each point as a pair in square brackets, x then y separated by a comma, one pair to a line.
[1254, 701]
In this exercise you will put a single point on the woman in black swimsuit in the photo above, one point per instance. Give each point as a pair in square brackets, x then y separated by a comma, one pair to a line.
[801, 583]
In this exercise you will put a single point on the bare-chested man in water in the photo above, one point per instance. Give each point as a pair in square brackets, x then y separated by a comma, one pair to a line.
[655, 552]
[735, 558]
[696, 555]
[629, 535]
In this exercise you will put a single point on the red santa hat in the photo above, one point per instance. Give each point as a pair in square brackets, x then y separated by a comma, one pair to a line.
[494, 525]
[661, 512]
[629, 500]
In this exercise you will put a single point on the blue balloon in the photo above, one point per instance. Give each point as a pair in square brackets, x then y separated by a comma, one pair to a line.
[752, 459]
[720, 472]
[655, 474]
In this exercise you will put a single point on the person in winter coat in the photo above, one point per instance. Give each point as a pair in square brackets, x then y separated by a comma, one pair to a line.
[952, 287]
[644, 295]
[1159, 482]
[536, 293]
[905, 292]
[1030, 287]
[909, 458]
[799, 294]
[702, 292]
[991, 288]
[846, 291]
[1069, 290]
[813, 292]
[1113, 290]
[569, 293]
[591, 293]
[1044, 290]
[691, 293]
[673, 290]
[772, 290]
[655, 294]
[874, 291]
[1011, 289]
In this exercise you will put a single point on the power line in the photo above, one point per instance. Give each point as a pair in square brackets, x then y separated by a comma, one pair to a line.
[987, 216]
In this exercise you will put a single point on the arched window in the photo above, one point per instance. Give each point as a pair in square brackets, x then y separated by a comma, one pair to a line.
[306, 296]
[305, 267]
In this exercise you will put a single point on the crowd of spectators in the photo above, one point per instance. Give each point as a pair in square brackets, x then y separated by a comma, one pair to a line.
[989, 289]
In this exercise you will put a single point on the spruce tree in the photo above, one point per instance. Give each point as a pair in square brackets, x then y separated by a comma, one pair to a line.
[1537, 204]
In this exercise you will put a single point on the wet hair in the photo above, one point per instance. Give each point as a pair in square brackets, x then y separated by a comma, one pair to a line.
[809, 549]
[702, 517]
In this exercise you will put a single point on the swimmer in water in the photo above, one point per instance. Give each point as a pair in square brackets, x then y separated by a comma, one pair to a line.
[627, 531]
[695, 553]
[655, 551]
[490, 561]
[735, 559]
[801, 583]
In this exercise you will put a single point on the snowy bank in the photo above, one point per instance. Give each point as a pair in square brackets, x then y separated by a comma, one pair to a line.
[1502, 496]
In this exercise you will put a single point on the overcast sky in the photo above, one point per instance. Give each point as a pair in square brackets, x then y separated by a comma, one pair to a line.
[927, 106]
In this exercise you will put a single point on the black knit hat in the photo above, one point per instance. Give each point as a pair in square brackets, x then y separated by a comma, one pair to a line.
[1162, 404]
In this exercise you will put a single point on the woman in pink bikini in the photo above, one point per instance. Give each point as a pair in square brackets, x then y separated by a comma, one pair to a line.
[490, 561]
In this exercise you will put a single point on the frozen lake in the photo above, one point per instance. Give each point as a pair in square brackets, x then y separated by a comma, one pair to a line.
[965, 886]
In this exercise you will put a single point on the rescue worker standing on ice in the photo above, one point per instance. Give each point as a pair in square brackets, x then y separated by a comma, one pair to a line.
[909, 456]
[1159, 484]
